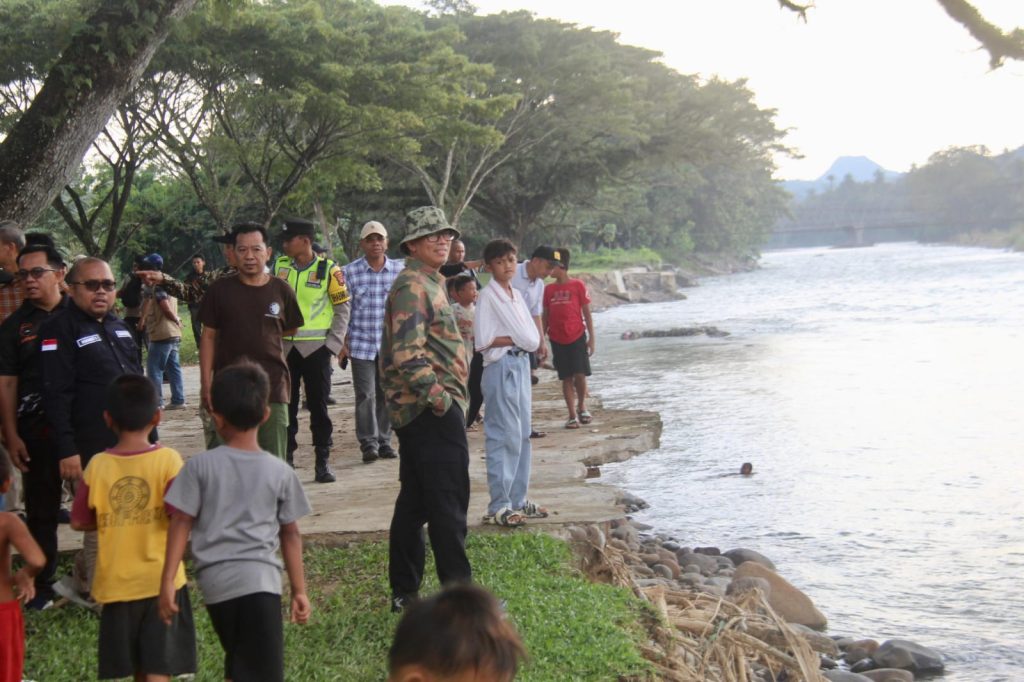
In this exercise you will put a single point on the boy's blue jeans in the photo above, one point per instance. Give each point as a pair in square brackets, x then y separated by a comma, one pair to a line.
[507, 426]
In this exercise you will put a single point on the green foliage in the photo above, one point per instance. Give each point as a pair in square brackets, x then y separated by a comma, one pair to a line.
[963, 193]
[517, 126]
[573, 629]
[615, 259]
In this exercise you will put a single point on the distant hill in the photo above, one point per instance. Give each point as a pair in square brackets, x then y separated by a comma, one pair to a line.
[860, 168]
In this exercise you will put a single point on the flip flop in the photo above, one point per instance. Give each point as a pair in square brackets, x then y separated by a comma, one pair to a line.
[585, 417]
[572, 424]
[537, 434]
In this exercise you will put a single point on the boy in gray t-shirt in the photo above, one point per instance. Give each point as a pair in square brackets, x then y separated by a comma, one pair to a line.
[240, 504]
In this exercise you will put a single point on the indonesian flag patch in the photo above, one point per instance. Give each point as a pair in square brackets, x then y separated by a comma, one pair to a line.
[49, 344]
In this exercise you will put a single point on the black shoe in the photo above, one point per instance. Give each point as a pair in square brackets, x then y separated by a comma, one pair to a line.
[325, 475]
[43, 600]
[387, 453]
[400, 603]
[369, 457]
[63, 515]
[331, 400]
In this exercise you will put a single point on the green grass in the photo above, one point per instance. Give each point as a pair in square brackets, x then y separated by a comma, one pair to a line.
[573, 629]
[188, 353]
[613, 259]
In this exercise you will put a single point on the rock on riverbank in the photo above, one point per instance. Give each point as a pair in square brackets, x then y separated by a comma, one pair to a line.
[731, 616]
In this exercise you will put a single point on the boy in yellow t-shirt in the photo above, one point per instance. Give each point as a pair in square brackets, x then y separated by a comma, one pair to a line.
[122, 496]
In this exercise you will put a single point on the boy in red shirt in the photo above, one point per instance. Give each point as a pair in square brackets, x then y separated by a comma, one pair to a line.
[570, 327]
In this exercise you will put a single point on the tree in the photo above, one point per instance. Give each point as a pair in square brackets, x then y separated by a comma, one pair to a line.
[105, 58]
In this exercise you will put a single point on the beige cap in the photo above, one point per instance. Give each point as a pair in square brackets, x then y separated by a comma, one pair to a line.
[373, 227]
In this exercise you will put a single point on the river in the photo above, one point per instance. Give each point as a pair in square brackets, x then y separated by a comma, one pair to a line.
[878, 394]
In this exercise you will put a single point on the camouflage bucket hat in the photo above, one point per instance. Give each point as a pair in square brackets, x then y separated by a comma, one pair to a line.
[423, 221]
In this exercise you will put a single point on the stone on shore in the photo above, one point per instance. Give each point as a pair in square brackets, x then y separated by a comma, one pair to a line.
[820, 642]
[738, 586]
[902, 653]
[844, 676]
[739, 556]
[889, 675]
[790, 603]
[708, 565]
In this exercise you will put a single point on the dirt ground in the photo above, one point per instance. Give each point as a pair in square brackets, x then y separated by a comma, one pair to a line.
[362, 499]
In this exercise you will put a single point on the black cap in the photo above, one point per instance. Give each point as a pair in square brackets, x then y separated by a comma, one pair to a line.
[298, 227]
[547, 253]
[560, 257]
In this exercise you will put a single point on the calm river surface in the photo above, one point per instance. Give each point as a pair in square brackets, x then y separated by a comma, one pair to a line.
[878, 393]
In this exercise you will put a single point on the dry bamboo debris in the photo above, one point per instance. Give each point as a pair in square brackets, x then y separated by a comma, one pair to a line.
[701, 637]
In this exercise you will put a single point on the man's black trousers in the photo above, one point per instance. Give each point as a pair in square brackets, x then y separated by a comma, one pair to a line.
[314, 371]
[434, 477]
[43, 488]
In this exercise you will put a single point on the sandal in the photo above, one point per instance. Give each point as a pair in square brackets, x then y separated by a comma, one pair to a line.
[572, 424]
[585, 417]
[537, 434]
[508, 518]
[531, 511]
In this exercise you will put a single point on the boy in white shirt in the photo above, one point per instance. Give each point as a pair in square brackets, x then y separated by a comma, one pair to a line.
[505, 333]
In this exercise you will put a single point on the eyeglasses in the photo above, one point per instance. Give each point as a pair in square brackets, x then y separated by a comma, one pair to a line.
[95, 285]
[446, 235]
[34, 273]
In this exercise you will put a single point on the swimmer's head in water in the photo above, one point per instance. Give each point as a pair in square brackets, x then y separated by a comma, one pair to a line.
[747, 469]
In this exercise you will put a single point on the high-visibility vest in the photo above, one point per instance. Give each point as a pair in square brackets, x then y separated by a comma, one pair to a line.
[310, 286]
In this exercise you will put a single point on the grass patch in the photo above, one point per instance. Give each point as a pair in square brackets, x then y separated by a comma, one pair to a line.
[573, 629]
[614, 259]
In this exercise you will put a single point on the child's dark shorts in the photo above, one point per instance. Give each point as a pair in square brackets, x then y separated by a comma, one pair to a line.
[134, 639]
[571, 358]
[251, 630]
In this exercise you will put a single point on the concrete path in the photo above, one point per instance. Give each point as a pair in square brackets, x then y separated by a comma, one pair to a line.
[362, 499]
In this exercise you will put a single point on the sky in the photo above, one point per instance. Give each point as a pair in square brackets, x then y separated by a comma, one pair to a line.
[893, 80]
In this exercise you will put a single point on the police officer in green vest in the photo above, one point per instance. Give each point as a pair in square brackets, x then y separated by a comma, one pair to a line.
[324, 300]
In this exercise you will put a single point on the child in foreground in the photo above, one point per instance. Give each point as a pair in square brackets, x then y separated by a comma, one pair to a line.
[121, 497]
[240, 503]
[14, 533]
[458, 634]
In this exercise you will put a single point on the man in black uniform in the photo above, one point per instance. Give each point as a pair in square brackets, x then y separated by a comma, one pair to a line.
[81, 352]
[26, 430]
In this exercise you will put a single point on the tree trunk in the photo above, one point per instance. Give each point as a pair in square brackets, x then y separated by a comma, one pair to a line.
[94, 74]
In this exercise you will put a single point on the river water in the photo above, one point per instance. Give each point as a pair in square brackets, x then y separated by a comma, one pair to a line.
[878, 394]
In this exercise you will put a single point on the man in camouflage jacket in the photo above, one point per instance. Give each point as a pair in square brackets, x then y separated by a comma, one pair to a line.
[424, 367]
[192, 291]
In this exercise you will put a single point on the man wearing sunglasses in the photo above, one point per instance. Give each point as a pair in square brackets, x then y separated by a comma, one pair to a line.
[26, 429]
[81, 352]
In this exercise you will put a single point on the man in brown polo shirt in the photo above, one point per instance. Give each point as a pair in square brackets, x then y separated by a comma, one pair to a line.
[247, 316]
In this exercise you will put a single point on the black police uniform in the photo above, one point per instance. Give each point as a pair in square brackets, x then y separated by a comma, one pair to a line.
[19, 357]
[79, 357]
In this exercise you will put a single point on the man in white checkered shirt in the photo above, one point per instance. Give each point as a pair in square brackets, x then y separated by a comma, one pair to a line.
[369, 280]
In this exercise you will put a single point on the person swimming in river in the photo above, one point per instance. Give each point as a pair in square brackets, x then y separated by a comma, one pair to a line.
[747, 469]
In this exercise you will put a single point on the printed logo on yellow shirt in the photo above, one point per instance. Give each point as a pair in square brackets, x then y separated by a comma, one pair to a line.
[129, 499]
